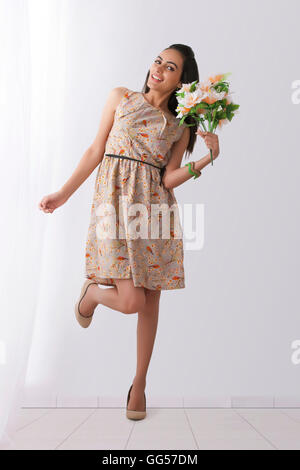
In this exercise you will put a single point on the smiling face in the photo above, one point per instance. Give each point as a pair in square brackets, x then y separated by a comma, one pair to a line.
[167, 66]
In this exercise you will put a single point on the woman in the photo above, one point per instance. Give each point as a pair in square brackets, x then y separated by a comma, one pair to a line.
[143, 146]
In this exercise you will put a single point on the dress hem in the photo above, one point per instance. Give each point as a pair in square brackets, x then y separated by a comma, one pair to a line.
[109, 281]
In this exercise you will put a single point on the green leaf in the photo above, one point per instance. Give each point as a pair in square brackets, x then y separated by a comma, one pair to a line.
[232, 106]
[193, 86]
[226, 75]
[223, 103]
[221, 115]
[202, 105]
[182, 120]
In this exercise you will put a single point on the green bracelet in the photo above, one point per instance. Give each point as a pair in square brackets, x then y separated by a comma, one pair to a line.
[191, 171]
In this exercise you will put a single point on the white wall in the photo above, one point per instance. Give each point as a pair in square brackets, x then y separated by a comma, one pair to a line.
[229, 332]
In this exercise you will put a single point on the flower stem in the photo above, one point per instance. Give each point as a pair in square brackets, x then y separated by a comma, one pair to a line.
[209, 121]
[210, 130]
[203, 125]
[205, 130]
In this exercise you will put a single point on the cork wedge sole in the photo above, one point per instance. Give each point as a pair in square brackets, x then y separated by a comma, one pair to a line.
[135, 414]
[83, 320]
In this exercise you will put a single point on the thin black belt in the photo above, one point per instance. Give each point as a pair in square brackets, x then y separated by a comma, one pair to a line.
[161, 169]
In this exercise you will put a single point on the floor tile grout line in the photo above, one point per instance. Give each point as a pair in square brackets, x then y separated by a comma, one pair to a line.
[130, 433]
[74, 430]
[190, 426]
[291, 417]
[256, 430]
[29, 424]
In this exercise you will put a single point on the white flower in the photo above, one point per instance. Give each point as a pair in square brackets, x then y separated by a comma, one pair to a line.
[212, 93]
[190, 99]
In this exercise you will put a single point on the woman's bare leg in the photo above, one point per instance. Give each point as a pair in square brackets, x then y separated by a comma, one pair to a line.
[125, 297]
[146, 333]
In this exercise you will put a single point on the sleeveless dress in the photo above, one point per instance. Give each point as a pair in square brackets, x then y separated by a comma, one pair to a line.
[143, 132]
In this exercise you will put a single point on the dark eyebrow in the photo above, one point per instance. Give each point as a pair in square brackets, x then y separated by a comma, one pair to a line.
[168, 61]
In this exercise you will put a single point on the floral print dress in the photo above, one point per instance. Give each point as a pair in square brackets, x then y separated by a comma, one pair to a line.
[143, 132]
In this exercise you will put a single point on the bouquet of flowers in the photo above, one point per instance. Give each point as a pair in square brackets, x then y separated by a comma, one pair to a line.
[206, 101]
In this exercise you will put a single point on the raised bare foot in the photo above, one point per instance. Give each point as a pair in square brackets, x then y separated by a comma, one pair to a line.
[136, 399]
[90, 300]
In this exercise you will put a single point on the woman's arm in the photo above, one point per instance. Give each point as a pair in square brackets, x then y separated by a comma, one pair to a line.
[94, 154]
[91, 157]
[174, 174]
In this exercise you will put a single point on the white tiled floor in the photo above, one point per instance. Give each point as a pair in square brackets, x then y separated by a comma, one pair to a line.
[172, 428]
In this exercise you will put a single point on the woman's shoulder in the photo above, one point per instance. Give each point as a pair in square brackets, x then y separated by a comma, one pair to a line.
[123, 91]
[123, 94]
[125, 99]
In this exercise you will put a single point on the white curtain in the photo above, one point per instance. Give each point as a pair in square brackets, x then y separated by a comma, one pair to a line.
[32, 80]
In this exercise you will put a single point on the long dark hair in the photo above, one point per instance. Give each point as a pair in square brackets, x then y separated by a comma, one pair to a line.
[189, 74]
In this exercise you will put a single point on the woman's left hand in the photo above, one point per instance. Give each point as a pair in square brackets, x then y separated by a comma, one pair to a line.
[211, 140]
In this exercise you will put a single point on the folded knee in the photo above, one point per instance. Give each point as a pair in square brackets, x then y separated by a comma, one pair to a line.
[133, 305]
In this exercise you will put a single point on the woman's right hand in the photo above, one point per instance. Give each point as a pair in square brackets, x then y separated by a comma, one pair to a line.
[52, 201]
